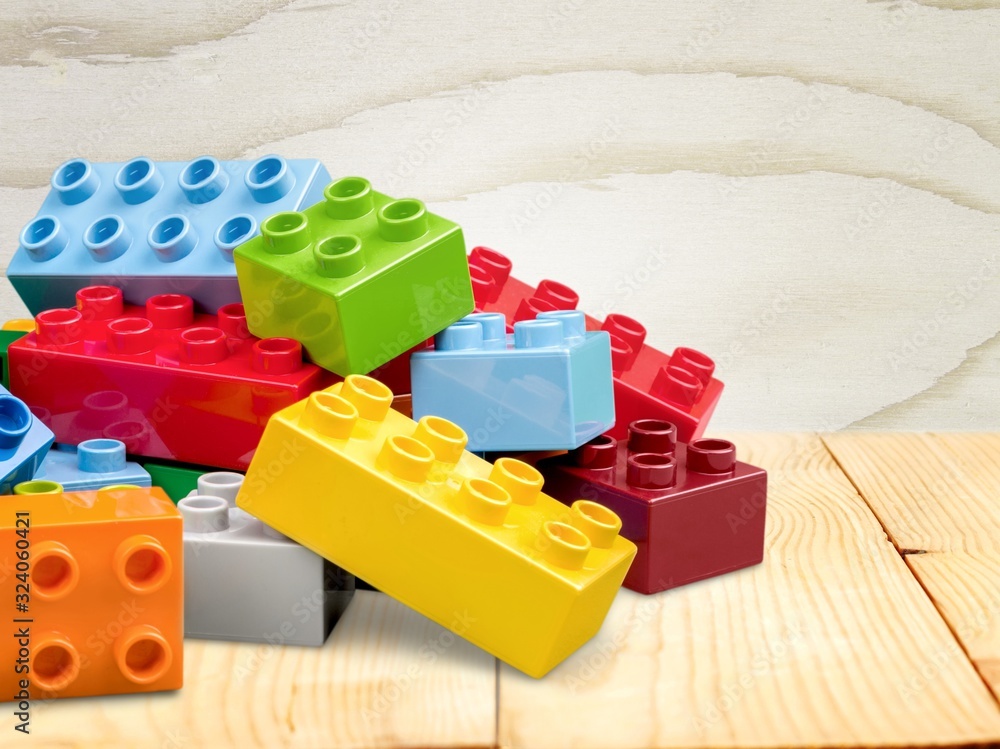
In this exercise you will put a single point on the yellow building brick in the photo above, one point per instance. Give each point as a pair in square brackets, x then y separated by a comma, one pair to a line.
[477, 547]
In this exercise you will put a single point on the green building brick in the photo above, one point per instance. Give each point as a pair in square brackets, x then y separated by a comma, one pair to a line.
[358, 279]
[176, 480]
[8, 335]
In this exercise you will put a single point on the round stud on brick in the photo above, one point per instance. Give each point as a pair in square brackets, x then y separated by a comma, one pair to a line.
[233, 232]
[15, 421]
[599, 454]
[369, 396]
[269, 178]
[204, 514]
[232, 320]
[138, 181]
[101, 456]
[622, 355]
[224, 484]
[497, 265]
[574, 323]
[564, 546]
[538, 334]
[107, 238]
[329, 415]
[695, 362]
[484, 501]
[59, 327]
[276, 356]
[203, 345]
[494, 326]
[652, 436]
[559, 295]
[75, 181]
[130, 335]
[650, 471]
[100, 302]
[713, 456]
[286, 233]
[348, 197]
[55, 662]
[530, 308]
[465, 335]
[676, 385]
[445, 439]
[203, 180]
[142, 654]
[629, 330]
[44, 238]
[484, 288]
[55, 571]
[339, 256]
[170, 311]
[596, 522]
[406, 458]
[522, 481]
[38, 486]
[172, 238]
[402, 220]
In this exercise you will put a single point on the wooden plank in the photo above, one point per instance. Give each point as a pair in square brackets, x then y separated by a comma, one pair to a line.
[387, 677]
[929, 494]
[937, 496]
[813, 647]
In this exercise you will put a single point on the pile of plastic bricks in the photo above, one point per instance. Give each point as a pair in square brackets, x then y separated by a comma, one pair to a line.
[248, 389]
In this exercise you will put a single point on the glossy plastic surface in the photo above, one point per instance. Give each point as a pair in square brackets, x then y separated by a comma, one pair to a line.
[166, 382]
[107, 588]
[678, 387]
[476, 547]
[694, 511]
[24, 442]
[154, 227]
[92, 464]
[7, 337]
[176, 480]
[246, 582]
[547, 386]
[358, 278]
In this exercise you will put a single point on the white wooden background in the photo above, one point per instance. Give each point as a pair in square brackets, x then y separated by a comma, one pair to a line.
[807, 191]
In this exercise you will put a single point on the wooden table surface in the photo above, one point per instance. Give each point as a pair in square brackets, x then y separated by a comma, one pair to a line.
[873, 621]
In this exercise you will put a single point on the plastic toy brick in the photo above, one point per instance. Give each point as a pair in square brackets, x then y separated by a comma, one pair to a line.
[7, 336]
[91, 465]
[178, 481]
[151, 227]
[24, 442]
[105, 611]
[546, 387]
[648, 383]
[359, 278]
[166, 382]
[694, 511]
[246, 582]
[222, 484]
[476, 547]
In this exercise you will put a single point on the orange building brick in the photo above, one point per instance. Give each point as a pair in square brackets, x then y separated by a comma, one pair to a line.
[104, 594]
